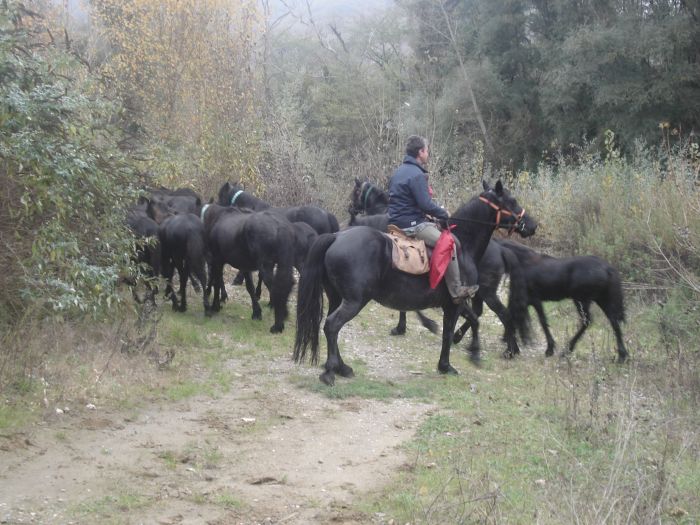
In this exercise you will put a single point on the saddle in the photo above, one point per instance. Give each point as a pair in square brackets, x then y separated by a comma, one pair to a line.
[407, 254]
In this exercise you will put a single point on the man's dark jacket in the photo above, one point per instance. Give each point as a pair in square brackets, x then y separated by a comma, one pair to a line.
[409, 199]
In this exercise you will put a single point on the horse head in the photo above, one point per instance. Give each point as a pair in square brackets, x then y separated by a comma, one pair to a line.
[158, 210]
[509, 214]
[367, 197]
[355, 205]
[227, 192]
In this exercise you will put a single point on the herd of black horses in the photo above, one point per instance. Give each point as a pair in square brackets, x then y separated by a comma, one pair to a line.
[353, 266]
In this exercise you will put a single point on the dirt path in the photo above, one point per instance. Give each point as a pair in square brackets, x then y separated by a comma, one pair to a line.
[266, 452]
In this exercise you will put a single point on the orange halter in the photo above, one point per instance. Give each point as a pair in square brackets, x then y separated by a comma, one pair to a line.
[507, 213]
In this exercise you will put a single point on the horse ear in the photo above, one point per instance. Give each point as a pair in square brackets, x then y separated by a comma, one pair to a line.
[357, 182]
[499, 188]
[211, 200]
[485, 184]
[198, 202]
[143, 201]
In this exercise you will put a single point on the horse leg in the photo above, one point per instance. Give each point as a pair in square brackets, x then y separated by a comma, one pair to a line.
[266, 274]
[501, 312]
[427, 322]
[347, 310]
[215, 280]
[239, 279]
[282, 284]
[400, 329]
[470, 322]
[168, 272]
[450, 313]
[258, 288]
[201, 274]
[250, 287]
[545, 327]
[622, 354]
[584, 312]
[184, 271]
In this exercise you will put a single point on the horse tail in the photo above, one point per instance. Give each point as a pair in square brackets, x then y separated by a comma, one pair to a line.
[333, 221]
[195, 258]
[283, 278]
[518, 297]
[310, 299]
[615, 307]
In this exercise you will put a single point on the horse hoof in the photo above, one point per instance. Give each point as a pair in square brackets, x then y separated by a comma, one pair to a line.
[345, 371]
[274, 329]
[508, 355]
[257, 316]
[449, 370]
[549, 352]
[475, 358]
[397, 331]
[209, 312]
[622, 359]
[327, 378]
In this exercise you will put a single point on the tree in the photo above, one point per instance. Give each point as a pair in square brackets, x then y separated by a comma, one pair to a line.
[186, 69]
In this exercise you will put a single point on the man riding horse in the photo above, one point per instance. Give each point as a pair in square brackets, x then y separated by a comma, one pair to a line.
[410, 203]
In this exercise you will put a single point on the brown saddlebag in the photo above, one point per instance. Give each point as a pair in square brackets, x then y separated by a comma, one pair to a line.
[408, 255]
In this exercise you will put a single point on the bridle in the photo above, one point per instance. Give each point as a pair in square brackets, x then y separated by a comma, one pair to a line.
[502, 212]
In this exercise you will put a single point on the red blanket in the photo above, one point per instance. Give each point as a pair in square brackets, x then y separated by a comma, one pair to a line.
[442, 253]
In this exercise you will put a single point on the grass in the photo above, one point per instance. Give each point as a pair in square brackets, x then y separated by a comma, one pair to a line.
[552, 441]
[530, 440]
[113, 508]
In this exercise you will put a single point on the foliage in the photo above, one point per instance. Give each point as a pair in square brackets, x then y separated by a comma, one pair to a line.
[62, 229]
[186, 72]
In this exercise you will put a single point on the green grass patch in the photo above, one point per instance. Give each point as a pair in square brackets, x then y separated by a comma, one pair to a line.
[15, 416]
[227, 501]
[110, 508]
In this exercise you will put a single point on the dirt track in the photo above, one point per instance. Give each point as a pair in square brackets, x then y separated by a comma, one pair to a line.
[266, 452]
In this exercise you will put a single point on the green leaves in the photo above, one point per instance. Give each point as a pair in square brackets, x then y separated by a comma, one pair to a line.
[66, 180]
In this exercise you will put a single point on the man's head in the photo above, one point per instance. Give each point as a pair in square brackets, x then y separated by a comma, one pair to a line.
[417, 147]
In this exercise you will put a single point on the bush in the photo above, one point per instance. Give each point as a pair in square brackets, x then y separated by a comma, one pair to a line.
[65, 183]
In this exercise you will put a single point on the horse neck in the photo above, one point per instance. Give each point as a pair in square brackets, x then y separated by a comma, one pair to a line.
[376, 208]
[247, 200]
[474, 225]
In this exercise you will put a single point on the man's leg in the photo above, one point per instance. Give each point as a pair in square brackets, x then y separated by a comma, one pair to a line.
[430, 233]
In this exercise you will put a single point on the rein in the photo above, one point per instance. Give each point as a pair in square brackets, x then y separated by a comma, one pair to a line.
[235, 196]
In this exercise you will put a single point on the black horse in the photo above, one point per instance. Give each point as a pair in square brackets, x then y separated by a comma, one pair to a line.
[145, 229]
[183, 247]
[367, 198]
[249, 241]
[319, 219]
[354, 267]
[585, 279]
